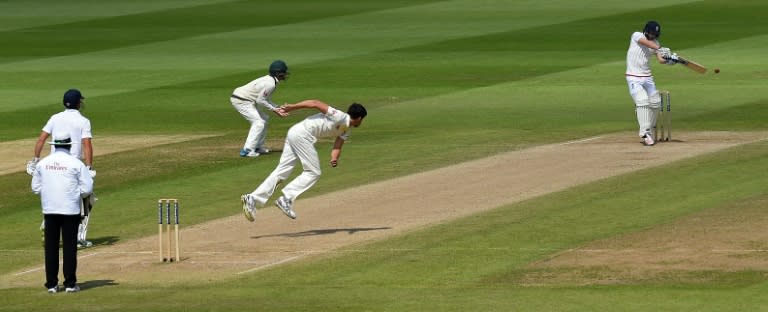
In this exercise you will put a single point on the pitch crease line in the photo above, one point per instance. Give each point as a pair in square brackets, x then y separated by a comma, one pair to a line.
[270, 264]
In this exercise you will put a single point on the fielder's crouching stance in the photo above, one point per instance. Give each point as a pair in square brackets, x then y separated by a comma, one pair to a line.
[642, 88]
[299, 147]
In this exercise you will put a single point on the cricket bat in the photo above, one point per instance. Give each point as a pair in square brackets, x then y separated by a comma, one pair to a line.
[692, 65]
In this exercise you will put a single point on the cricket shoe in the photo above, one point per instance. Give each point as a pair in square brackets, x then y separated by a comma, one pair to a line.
[248, 153]
[249, 209]
[84, 244]
[286, 206]
[648, 139]
[53, 290]
[72, 289]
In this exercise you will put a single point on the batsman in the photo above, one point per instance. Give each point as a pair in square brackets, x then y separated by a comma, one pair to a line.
[76, 126]
[642, 88]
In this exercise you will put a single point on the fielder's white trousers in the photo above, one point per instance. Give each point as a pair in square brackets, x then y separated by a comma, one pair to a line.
[258, 120]
[299, 147]
[641, 89]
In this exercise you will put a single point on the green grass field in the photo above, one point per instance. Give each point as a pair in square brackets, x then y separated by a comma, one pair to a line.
[444, 82]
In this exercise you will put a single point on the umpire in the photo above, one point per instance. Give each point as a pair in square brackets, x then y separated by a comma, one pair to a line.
[61, 180]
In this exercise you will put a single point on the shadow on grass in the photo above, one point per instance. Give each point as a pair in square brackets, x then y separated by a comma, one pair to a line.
[97, 283]
[105, 240]
[322, 232]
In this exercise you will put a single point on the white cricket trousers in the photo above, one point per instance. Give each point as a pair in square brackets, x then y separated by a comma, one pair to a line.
[646, 107]
[299, 147]
[258, 120]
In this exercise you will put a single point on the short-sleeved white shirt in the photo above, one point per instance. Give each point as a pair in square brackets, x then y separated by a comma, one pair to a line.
[334, 123]
[638, 57]
[70, 123]
[259, 91]
[61, 180]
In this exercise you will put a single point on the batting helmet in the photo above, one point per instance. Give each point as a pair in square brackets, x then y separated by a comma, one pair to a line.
[653, 28]
[72, 98]
[278, 67]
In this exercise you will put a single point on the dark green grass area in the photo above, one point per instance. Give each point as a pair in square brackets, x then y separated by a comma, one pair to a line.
[747, 116]
[703, 22]
[127, 30]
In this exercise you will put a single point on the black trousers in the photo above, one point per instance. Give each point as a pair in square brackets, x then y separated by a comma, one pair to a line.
[64, 226]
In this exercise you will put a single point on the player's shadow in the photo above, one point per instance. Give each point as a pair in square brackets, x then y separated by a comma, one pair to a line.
[105, 240]
[349, 231]
[96, 283]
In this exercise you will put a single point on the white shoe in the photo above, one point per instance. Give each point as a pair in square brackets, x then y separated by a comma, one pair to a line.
[248, 153]
[286, 206]
[648, 139]
[249, 209]
[84, 244]
[53, 290]
[72, 289]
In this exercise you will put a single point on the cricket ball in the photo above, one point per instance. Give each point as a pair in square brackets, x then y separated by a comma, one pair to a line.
[717, 70]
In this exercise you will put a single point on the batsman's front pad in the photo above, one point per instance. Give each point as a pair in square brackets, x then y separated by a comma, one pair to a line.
[655, 100]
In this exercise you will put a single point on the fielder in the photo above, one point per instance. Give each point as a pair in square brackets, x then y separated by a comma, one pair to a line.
[642, 88]
[300, 147]
[259, 92]
[72, 123]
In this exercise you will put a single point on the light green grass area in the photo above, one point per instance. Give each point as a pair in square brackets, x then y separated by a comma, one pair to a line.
[444, 82]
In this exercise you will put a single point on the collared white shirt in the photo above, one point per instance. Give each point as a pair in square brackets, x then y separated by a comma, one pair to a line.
[334, 123]
[259, 91]
[61, 180]
[70, 123]
[638, 57]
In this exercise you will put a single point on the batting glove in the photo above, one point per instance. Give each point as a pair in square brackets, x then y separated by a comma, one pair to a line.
[672, 59]
[664, 52]
[31, 165]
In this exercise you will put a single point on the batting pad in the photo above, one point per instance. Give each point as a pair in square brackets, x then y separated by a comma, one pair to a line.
[640, 97]
[655, 100]
[646, 119]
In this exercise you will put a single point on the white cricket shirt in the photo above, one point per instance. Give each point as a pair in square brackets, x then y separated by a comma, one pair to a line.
[638, 57]
[70, 123]
[259, 91]
[334, 123]
[61, 180]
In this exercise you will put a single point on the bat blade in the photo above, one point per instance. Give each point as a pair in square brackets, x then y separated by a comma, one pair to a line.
[693, 65]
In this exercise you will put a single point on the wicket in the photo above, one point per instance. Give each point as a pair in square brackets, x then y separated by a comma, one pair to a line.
[663, 128]
[167, 203]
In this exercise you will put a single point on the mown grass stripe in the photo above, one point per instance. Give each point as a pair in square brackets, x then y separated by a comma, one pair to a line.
[128, 30]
